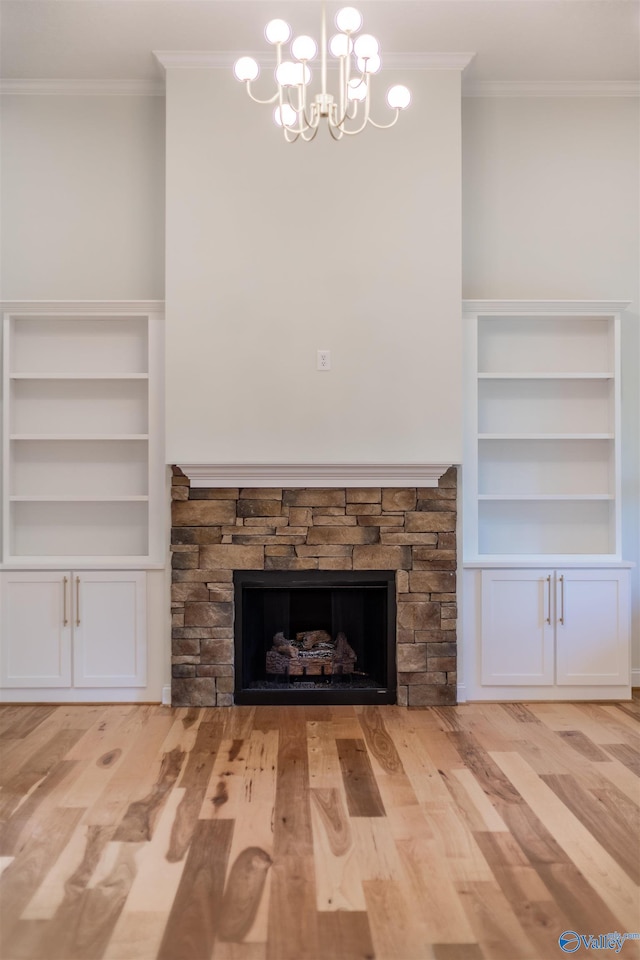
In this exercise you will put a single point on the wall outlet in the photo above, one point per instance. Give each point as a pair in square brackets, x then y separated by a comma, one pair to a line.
[324, 359]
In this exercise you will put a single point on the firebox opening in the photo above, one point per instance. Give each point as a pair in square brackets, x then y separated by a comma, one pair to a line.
[315, 637]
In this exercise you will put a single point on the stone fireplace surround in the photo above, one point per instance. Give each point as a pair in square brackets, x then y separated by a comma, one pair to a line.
[216, 530]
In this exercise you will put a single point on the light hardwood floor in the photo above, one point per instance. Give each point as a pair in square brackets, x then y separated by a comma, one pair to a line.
[328, 833]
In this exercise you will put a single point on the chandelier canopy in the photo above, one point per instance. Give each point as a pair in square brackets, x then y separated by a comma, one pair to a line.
[296, 112]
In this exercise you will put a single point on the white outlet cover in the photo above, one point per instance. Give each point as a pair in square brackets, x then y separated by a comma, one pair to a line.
[324, 360]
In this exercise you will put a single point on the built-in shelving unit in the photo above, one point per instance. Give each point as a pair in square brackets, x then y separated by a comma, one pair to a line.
[541, 474]
[82, 475]
[545, 604]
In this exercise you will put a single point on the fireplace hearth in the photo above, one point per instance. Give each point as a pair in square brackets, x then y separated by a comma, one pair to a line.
[315, 637]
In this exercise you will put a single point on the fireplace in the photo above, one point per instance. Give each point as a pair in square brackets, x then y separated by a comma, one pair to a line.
[315, 637]
[326, 538]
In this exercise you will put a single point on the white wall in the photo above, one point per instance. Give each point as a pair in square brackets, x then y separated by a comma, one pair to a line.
[82, 204]
[276, 250]
[551, 210]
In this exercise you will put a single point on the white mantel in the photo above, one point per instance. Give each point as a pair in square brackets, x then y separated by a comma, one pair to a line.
[314, 474]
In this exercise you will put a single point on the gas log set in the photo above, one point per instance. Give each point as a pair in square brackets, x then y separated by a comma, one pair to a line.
[312, 654]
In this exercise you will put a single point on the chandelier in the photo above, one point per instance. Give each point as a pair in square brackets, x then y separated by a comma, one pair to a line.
[296, 112]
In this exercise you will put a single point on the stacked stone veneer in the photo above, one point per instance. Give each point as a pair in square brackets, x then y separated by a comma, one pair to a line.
[219, 530]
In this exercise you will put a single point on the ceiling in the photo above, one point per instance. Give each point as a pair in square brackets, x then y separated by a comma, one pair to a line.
[513, 40]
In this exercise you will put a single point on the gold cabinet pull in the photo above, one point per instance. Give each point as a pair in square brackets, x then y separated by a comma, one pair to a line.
[548, 617]
[77, 601]
[65, 619]
[561, 617]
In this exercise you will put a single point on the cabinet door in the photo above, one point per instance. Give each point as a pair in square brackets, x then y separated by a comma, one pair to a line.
[592, 631]
[35, 629]
[109, 629]
[517, 628]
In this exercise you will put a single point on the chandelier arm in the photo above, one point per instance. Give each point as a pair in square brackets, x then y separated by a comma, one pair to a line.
[287, 131]
[257, 99]
[335, 129]
[385, 126]
[308, 139]
[301, 112]
[366, 119]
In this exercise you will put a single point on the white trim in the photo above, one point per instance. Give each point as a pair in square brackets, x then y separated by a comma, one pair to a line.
[635, 677]
[551, 88]
[224, 60]
[166, 696]
[544, 307]
[314, 475]
[83, 88]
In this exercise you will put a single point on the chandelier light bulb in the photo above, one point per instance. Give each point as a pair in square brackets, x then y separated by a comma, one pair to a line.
[369, 64]
[277, 31]
[357, 89]
[286, 73]
[246, 68]
[366, 46]
[290, 74]
[340, 45]
[304, 48]
[285, 115]
[398, 97]
[349, 20]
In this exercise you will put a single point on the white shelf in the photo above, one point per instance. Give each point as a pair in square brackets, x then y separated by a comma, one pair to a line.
[79, 436]
[546, 436]
[546, 376]
[77, 499]
[545, 496]
[79, 376]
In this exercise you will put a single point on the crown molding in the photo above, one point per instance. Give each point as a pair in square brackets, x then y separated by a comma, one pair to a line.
[313, 474]
[551, 88]
[582, 307]
[224, 60]
[83, 88]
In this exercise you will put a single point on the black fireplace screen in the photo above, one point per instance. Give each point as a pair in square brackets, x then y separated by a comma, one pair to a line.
[315, 637]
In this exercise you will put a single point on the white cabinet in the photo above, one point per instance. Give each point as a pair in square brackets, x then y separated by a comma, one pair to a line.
[83, 464]
[541, 474]
[555, 628]
[73, 629]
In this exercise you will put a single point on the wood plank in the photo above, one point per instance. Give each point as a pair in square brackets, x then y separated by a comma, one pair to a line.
[616, 832]
[379, 743]
[193, 922]
[243, 893]
[16, 723]
[338, 885]
[626, 755]
[583, 745]
[24, 875]
[12, 831]
[345, 935]
[363, 796]
[139, 821]
[293, 919]
[398, 930]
